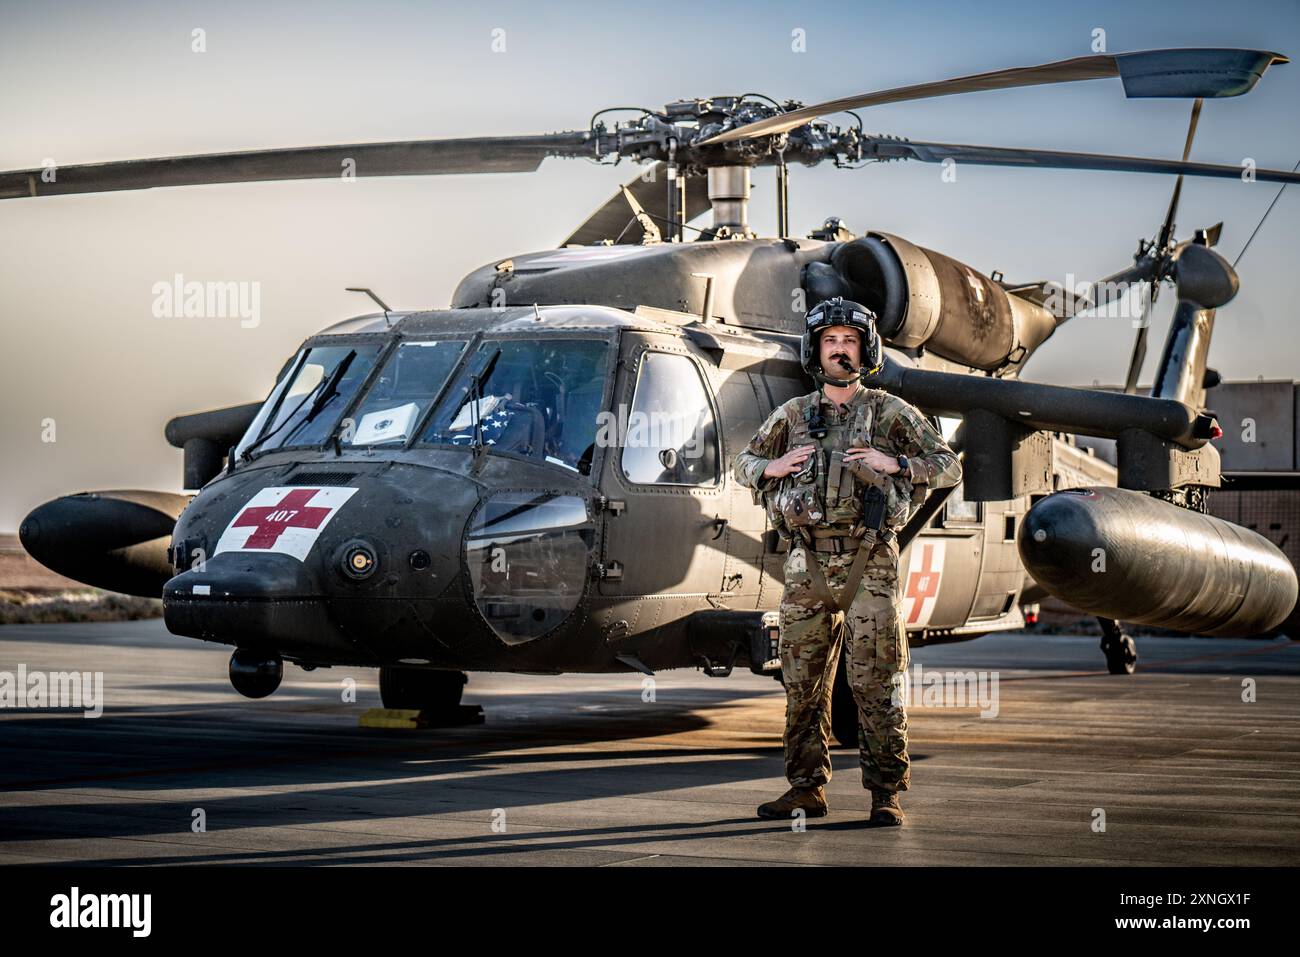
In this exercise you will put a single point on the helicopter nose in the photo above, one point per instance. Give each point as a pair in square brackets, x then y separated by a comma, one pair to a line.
[402, 565]
[324, 571]
[250, 600]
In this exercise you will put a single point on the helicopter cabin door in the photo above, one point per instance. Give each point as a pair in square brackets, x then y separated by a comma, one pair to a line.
[662, 484]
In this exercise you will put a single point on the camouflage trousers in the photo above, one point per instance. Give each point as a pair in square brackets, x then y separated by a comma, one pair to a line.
[877, 659]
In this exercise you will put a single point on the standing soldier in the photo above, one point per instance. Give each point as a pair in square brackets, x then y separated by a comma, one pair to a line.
[840, 471]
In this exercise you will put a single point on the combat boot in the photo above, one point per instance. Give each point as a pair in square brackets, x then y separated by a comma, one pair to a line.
[811, 799]
[885, 809]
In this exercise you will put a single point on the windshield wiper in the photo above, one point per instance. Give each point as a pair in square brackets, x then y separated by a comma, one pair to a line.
[331, 383]
[476, 399]
[324, 390]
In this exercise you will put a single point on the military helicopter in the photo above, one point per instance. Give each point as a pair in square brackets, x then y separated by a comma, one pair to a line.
[536, 478]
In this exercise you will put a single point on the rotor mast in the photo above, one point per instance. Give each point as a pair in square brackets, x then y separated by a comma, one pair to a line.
[729, 197]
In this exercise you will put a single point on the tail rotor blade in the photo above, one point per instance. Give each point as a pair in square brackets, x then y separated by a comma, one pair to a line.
[1105, 291]
[1140, 343]
[1167, 229]
[1161, 251]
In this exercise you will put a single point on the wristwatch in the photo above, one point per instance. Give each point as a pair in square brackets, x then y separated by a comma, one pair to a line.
[904, 464]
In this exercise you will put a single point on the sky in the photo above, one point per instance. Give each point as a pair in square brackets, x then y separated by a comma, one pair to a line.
[83, 349]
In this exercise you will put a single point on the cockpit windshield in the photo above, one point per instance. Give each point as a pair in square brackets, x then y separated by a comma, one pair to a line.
[410, 380]
[528, 396]
[304, 408]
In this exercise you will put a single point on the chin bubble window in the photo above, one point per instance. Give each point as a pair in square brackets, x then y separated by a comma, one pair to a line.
[527, 559]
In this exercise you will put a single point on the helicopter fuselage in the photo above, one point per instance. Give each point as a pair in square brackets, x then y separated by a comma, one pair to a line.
[468, 555]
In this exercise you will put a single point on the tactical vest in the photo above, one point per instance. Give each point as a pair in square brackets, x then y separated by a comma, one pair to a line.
[820, 494]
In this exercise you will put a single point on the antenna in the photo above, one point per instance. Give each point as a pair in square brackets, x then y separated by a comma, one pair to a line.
[371, 293]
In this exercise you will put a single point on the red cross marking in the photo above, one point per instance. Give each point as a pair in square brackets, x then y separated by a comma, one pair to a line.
[270, 521]
[923, 584]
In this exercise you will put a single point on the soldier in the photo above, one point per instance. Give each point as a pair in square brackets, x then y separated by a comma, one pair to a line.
[840, 471]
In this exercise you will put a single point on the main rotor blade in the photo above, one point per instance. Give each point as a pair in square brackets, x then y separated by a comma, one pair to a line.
[1145, 73]
[485, 154]
[611, 221]
[1055, 159]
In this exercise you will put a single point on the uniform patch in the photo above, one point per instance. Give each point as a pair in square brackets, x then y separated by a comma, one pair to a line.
[287, 520]
[921, 585]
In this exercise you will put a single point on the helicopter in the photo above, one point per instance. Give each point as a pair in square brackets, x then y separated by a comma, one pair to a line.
[536, 479]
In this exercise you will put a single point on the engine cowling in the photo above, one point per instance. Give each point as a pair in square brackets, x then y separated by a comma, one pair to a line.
[924, 298]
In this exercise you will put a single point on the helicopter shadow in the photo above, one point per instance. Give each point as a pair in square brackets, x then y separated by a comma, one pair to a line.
[538, 759]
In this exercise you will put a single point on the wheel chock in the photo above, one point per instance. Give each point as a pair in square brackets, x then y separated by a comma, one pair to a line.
[411, 719]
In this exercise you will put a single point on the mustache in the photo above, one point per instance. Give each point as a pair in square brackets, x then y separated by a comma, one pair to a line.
[843, 360]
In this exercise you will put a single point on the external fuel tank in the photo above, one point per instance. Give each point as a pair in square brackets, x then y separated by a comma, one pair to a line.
[1122, 554]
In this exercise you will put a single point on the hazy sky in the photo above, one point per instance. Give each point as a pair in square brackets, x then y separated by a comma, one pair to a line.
[86, 82]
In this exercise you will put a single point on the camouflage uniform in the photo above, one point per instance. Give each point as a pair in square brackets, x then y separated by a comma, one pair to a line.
[877, 652]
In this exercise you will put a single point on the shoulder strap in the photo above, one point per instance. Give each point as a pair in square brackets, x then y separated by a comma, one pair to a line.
[804, 408]
[860, 418]
[841, 604]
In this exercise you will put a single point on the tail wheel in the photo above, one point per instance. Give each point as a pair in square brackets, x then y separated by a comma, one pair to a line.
[1121, 656]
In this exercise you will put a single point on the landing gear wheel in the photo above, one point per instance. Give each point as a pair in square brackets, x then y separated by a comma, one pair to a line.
[420, 689]
[844, 708]
[1121, 656]
[1119, 648]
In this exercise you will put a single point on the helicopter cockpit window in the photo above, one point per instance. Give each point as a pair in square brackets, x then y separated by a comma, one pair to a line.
[258, 425]
[957, 510]
[671, 437]
[307, 409]
[528, 396]
[409, 381]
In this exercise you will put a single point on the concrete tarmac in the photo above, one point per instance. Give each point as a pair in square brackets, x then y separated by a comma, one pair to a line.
[1169, 766]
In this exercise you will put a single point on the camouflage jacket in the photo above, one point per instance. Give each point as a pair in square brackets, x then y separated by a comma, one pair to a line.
[872, 417]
